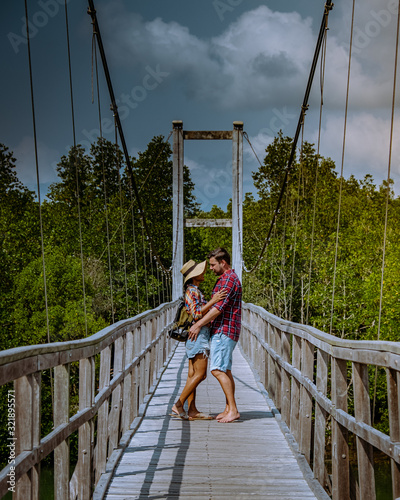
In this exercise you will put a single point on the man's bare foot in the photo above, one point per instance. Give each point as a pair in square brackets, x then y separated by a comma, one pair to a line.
[223, 414]
[230, 417]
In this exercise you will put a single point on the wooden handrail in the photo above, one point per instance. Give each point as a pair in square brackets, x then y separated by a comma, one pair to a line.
[307, 374]
[129, 357]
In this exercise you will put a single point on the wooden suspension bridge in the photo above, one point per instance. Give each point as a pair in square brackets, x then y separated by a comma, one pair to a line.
[303, 396]
[292, 441]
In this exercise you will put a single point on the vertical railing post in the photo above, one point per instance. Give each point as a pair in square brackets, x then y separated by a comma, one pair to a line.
[85, 433]
[263, 357]
[264, 336]
[320, 417]
[102, 419]
[393, 385]
[271, 363]
[295, 389]
[115, 411]
[285, 411]
[127, 406]
[307, 370]
[153, 352]
[340, 447]
[362, 413]
[27, 429]
[61, 416]
[278, 370]
[147, 335]
[142, 365]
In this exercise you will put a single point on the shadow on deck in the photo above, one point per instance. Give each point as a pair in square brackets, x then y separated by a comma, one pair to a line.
[171, 458]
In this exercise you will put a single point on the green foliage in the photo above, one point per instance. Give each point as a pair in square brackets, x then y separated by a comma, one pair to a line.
[65, 311]
[100, 268]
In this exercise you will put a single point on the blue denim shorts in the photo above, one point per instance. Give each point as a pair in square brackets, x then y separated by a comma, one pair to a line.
[199, 346]
[221, 352]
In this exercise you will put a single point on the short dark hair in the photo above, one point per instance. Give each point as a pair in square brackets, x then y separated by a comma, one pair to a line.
[220, 254]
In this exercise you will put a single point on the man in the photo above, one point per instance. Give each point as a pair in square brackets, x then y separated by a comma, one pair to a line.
[225, 329]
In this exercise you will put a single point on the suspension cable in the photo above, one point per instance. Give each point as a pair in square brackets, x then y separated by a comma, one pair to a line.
[128, 211]
[76, 166]
[38, 189]
[37, 171]
[342, 167]
[322, 83]
[134, 251]
[327, 8]
[96, 31]
[118, 166]
[145, 268]
[296, 222]
[155, 161]
[246, 136]
[104, 182]
[387, 199]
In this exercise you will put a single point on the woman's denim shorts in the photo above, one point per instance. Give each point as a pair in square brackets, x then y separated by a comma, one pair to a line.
[199, 346]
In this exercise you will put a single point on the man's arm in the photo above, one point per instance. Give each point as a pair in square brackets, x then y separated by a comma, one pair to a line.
[196, 327]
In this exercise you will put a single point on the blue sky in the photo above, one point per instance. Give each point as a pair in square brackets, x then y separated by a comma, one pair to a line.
[208, 63]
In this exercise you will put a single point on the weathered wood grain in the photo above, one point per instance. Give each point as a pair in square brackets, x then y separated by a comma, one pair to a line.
[169, 457]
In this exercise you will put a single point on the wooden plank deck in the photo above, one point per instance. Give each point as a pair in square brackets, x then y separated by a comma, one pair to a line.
[171, 458]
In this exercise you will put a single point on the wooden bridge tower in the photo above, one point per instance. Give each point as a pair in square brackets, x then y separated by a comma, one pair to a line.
[179, 136]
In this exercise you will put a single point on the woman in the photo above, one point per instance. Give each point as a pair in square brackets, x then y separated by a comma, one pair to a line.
[196, 350]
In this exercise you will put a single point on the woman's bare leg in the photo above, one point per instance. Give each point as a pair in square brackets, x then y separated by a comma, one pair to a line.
[199, 373]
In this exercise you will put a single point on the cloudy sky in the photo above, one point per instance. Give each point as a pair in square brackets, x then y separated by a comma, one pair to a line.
[208, 63]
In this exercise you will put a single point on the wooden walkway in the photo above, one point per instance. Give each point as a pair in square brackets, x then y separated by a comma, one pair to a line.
[170, 458]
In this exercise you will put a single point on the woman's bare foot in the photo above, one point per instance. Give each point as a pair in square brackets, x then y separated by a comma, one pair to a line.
[178, 410]
[230, 417]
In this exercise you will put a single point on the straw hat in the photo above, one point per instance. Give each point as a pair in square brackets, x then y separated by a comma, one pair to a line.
[191, 269]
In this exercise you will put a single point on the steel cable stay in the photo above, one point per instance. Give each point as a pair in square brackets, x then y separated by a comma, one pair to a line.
[322, 82]
[38, 190]
[321, 36]
[342, 167]
[152, 274]
[37, 169]
[114, 107]
[283, 255]
[76, 166]
[387, 197]
[132, 203]
[134, 251]
[121, 225]
[104, 180]
[296, 221]
[145, 267]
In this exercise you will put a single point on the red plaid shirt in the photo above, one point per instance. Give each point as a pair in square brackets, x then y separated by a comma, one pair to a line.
[230, 320]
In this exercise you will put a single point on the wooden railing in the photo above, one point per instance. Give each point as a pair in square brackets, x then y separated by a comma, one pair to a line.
[320, 385]
[118, 367]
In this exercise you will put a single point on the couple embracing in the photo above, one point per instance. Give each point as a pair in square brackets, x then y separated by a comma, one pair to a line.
[214, 333]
